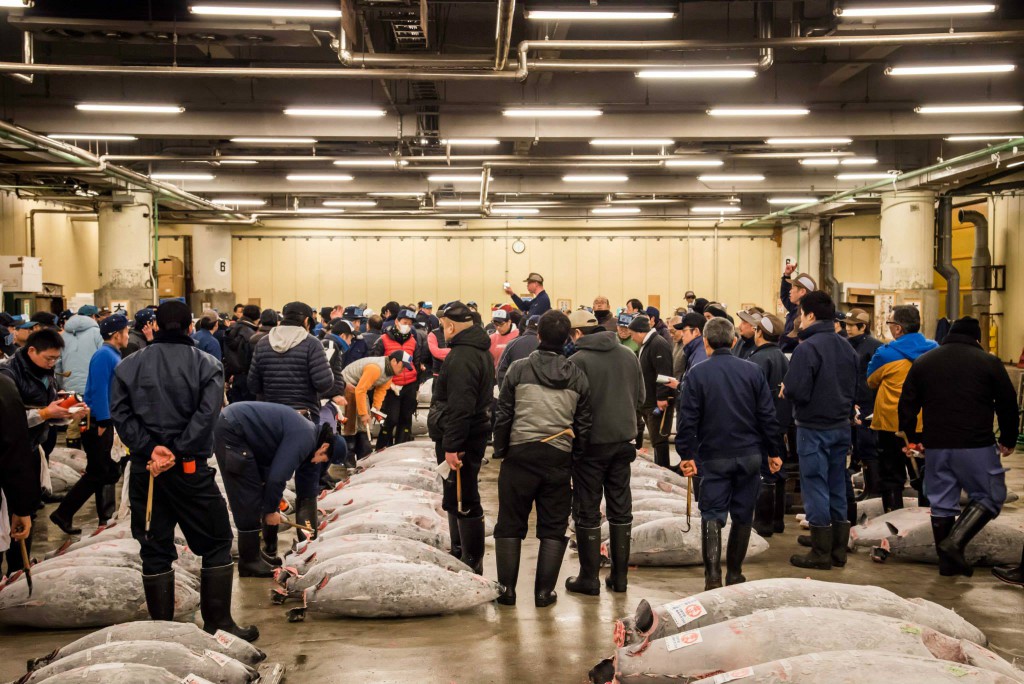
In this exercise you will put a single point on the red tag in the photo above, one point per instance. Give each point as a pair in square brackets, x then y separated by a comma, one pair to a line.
[189, 467]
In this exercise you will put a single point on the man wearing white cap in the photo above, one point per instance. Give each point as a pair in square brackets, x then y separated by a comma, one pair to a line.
[791, 292]
[745, 344]
[504, 332]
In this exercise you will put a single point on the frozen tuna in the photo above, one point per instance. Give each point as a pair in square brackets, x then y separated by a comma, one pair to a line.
[719, 605]
[641, 467]
[639, 518]
[294, 585]
[72, 458]
[116, 673]
[398, 590]
[416, 450]
[638, 484]
[666, 541]
[175, 658]
[321, 550]
[62, 479]
[185, 633]
[423, 528]
[774, 634]
[907, 534]
[417, 477]
[669, 504]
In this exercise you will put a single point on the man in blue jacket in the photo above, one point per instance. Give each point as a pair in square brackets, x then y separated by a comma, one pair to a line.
[726, 422]
[204, 338]
[820, 384]
[540, 304]
[259, 447]
[101, 472]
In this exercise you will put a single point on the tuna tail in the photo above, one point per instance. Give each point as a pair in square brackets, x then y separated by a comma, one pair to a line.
[41, 661]
[643, 620]
[603, 672]
[862, 519]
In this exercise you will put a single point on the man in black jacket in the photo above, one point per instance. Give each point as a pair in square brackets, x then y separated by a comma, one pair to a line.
[655, 360]
[142, 331]
[770, 514]
[459, 425]
[238, 350]
[19, 468]
[865, 441]
[519, 348]
[960, 388]
[164, 401]
[543, 423]
[616, 392]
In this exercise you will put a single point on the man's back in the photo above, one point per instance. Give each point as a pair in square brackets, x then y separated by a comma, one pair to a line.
[822, 379]
[289, 367]
[616, 386]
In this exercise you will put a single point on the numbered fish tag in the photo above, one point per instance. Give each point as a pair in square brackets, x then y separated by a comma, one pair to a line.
[685, 611]
[224, 639]
[735, 674]
[677, 641]
[218, 658]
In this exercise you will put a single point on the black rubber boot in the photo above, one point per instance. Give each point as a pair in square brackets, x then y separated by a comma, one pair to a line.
[63, 516]
[106, 503]
[820, 557]
[250, 560]
[588, 542]
[453, 532]
[711, 551]
[941, 527]
[871, 484]
[269, 549]
[779, 512]
[804, 540]
[1011, 574]
[840, 542]
[618, 550]
[969, 524]
[735, 552]
[549, 562]
[892, 499]
[215, 603]
[851, 512]
[471, 531]
[506, 554]
[764, 512]
[159, 591]
[306, 514]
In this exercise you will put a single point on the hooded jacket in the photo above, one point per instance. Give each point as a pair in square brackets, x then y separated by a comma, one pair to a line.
[821, 379]
[362, 376]
[168, 394]
[958, 389]
[289, 367]
[886, 372]
[81, 340]
[616, 387]
[543, 395]
[460, 406]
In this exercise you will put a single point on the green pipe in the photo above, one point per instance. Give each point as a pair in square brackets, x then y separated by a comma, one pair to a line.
[970, 156]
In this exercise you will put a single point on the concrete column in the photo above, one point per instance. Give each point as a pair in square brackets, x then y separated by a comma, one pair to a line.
[1006, 215]
[211, 268]
[126, 252]
[907, 233]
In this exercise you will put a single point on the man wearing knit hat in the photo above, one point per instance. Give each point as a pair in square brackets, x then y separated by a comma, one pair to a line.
[655, 360]
[791, 292]
[960, 389]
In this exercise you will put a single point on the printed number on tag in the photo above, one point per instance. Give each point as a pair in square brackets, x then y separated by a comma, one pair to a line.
[677, 641]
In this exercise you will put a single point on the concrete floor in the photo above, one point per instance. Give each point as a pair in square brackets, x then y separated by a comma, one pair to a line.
[557, 644]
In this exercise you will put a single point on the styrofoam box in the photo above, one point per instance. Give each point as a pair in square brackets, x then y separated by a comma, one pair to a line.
[21, 273]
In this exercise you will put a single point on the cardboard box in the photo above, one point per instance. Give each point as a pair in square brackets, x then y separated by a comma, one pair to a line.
[21, 273]
[171, 285]
[170, 266]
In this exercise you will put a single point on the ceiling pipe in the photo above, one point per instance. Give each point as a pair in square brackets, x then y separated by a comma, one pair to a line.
[944, 255]
[31, 220]
[28, 56]
[504, 35]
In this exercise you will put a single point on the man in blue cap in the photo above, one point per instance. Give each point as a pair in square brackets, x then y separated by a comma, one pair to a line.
[141, 333]
[101, 472]
[425, 318]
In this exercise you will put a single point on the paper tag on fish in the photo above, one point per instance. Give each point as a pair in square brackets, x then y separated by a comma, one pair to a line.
[218, 658]
[444, 470]
[685, 611]
[677, 641]
[735, 674]
[194, 679]
[225, 639]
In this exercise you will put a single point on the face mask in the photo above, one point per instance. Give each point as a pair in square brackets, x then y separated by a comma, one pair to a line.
[404, 329]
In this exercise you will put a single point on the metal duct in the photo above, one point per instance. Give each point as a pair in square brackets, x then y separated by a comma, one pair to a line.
[981, 263]
[944, 256]
[827, 260]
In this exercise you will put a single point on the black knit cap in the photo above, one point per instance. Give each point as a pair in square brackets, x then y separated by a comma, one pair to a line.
[966, 326]
[174, 316]
[640, 324]
[458, 312]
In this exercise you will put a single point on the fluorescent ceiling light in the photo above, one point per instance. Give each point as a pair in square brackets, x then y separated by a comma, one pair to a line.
[632, 142]
[336, 112]
[969, 109]
[397, 194]
[276, 12]
[527, 203]
[355, 161]
[128, 108]
[552, 113]
[275, 141]
[758, 111]
[471, 142]
[240, 202]
[595, 178]
[238, 162]
[794, 155]
[797, 142]
[1014, 164]
[714, 210]
[318, 210]
[19, 4]
[696, 74]
[731, 178]
[980, 138]
[859, 161]
[181, 175]
[791, 201]
[350, 203]
[693, 162]
[646, 201]
[822, 161]
[615, 210]
[950, 70]
[457, 203]
[325, 177]
[90, 136]
[865, 176]
[455, 178]
[599, 15]
[514, 211]
[915, 10]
